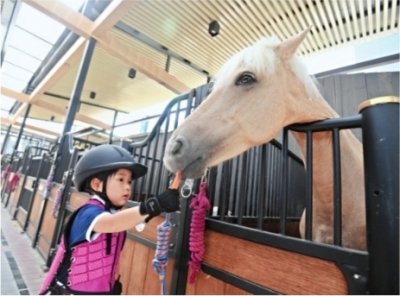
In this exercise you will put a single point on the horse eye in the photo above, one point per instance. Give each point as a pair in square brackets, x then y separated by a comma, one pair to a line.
[245, 79]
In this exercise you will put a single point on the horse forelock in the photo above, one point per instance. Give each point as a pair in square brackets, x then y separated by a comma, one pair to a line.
[261, 58]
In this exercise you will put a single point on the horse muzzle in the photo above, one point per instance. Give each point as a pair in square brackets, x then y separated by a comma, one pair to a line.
[180, 155]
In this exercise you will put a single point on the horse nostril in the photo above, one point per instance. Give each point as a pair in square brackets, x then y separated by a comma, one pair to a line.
[177, 145]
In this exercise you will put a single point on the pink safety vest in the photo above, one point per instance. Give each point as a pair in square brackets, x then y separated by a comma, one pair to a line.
[91, 270]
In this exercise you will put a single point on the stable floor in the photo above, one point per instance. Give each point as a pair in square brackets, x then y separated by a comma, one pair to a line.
[21, 272]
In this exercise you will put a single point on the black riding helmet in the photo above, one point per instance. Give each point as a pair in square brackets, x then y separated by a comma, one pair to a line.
[105, 158]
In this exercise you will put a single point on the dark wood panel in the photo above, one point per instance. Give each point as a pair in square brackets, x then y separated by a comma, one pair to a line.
[282, 271]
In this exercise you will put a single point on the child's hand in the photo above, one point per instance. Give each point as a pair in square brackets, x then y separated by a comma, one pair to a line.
[168, 201]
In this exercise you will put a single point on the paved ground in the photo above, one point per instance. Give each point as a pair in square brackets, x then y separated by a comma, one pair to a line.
[21, 272]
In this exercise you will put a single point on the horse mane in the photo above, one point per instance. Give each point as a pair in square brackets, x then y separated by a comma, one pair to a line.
[262, 58]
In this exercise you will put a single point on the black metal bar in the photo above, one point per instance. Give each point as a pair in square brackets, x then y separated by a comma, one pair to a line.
[6, 139]
[380, 133]
[337, 189]
[32, 198]
[182, 253]
[361, 65]
[309, 186]
[25, 168]
[61, 212]
[262, 188]
[78, 87]
[21, 130]
[283, 197]
[242, 182]
[85, 103]
[43, 205]
[167, 63]
[113, 127]
[233, 280]
[323, 251]
[328, 124]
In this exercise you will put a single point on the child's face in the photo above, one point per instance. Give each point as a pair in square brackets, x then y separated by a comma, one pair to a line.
[119, 187]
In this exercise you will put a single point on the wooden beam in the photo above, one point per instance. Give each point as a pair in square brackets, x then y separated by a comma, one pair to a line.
[59, 70]
[115, 11]
[31, 127]
[78, 116]
[118, 48]
[14, 94]
[140, 62]
[52, 107]
[65, 15]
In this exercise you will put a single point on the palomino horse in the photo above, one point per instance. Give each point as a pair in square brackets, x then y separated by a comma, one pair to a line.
[259, 91]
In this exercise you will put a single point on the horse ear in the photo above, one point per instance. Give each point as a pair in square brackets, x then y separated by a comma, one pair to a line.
[288, 48]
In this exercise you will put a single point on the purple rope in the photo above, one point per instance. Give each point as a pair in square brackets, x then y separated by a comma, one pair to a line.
[49, 185]
[199, 206]
[161, 255]
[57, 202]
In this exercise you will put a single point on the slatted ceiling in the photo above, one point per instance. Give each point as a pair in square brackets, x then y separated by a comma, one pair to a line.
[44, 114]
[102, 114]
[186, 74]
[157, 57]
[182, 26]
[191, 34]
[64, 85]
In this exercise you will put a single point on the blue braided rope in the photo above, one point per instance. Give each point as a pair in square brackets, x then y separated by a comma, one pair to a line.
[161, 255]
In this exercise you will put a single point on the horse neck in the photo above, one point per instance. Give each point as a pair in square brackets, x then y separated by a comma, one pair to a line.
[314, 109]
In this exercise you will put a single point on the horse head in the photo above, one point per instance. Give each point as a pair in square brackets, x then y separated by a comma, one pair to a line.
[255, 94]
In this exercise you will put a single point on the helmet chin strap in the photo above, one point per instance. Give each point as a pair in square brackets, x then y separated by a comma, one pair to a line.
[104, 196]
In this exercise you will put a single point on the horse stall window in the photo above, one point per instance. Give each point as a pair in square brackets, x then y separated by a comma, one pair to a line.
[248, 190]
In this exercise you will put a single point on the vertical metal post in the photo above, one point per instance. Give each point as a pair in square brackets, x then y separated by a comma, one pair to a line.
[78, 87]
[21, 130]
[6, 139]
[113, 126]
[380, 133]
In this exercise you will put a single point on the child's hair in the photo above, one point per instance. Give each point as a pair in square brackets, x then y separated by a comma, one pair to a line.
[103, 176]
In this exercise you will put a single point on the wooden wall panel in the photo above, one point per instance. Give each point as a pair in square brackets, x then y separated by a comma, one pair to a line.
[78, 199]
[208, 285]
[31, 229]
[150, 231]
[125, 264]
[139, 269]
[37, 201]
[43, 246]
[282, 271]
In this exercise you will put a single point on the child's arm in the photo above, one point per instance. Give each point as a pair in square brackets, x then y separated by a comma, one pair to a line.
[168, 201]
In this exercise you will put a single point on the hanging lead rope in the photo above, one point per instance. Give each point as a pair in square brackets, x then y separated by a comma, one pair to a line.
[13, 183]
[163, 232]
[49, 183]
[199, 205]
[59, 195]
[6, 172]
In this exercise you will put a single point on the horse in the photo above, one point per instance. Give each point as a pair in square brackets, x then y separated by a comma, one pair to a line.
[257, 92]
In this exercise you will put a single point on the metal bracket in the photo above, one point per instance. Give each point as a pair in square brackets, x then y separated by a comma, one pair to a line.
[355, 278]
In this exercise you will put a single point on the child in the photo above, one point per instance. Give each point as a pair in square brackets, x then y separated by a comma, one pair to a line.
[87, 258]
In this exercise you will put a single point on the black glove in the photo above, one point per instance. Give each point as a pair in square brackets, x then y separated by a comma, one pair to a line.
[168, 201]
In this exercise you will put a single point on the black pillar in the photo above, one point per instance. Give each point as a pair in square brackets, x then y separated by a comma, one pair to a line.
[6, 139]
[78, 87]
[21, 130]
[380, 127]
[113, 126]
